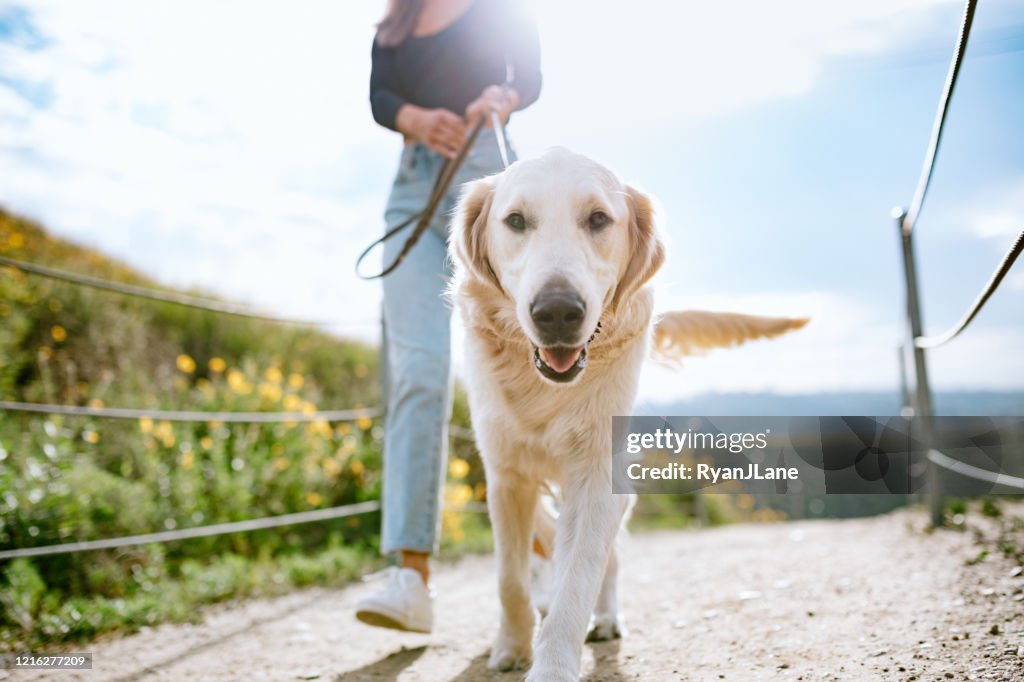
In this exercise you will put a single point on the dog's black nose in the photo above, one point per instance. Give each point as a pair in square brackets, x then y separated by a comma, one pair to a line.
[557, 313]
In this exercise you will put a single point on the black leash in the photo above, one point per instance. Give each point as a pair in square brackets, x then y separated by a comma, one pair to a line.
[423, 218]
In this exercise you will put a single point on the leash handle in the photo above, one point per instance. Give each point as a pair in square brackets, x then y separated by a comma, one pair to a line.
[441, 184]
[499, 135]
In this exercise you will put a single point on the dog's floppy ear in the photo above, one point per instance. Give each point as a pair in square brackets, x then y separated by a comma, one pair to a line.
[646, 249]
[468, 229]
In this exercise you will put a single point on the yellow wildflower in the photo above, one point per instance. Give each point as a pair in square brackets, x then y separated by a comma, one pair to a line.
[314, 499]
[458, 468]
[321, 428]
[204, 385]
[357, 467]
[331, 467]
[349, 444]
[165, 432]
[269, 391]
[96, 402]
[343, 429]
[58, 333]
[45, 353]
[187, 460]
[206, 442]
[292, 403]
[281, 463]
[91, 437]
[459, 495]
[273, 375]
[452, 525]
[238, 383]
[146, 424]
[364, 423]
[217, 365]
[296, 380]
[186, 364]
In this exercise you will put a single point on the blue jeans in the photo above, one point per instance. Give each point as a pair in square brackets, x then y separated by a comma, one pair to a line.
[416, 344]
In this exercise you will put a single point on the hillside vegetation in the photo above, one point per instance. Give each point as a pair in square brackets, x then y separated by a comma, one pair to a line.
[64, 479]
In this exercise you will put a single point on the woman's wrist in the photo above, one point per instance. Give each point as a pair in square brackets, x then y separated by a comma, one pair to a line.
[405, 119]
[512, 95]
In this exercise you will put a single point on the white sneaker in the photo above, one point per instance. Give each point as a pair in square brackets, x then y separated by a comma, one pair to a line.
[405, 603]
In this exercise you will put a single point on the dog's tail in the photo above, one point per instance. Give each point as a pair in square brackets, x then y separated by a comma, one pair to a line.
[691, 332]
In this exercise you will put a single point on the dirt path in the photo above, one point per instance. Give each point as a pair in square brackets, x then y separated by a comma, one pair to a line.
[873, 599]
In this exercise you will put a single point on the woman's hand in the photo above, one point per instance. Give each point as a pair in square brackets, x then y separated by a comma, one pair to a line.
[439, 129]
[501, 98]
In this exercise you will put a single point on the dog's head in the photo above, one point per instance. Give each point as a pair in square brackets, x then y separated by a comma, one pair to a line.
[565, 242]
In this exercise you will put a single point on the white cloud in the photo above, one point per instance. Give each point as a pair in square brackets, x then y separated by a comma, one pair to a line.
[1015, 281]
[208, 144]
[613, 73]
[997, 212]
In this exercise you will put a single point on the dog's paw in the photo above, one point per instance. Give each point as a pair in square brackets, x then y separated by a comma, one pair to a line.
[507, 657]
[606, 627]
[543, 673]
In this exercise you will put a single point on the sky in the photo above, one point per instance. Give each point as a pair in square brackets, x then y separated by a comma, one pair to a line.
[229, 146]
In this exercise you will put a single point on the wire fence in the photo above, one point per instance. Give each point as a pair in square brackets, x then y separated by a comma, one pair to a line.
[455, 431]
[997, 277]
[263, 523]
[163, 296]
[349, 415]
[919, 400]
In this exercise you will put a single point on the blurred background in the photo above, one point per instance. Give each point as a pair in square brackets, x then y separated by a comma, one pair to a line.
[228, 149]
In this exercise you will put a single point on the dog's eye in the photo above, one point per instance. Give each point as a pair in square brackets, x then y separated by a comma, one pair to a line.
[515, 222]
[598, 219]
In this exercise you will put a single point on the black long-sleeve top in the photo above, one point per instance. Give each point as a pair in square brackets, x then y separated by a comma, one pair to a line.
[491, 43]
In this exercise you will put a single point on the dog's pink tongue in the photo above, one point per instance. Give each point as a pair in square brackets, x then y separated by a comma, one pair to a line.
[560, 359]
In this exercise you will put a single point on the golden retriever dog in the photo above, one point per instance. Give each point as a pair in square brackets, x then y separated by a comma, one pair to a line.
[553, 258]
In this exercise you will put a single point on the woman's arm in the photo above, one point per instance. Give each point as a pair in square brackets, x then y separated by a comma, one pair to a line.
[438, 129]
[384, 98]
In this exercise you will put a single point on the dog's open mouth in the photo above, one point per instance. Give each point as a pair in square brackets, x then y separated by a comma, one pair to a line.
[562, 363]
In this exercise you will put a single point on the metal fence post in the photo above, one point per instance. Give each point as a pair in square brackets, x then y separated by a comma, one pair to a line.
[922, 394]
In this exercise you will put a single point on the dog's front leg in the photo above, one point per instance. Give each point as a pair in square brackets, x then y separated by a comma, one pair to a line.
[608, 623]
[586, 532]
[512, 500]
